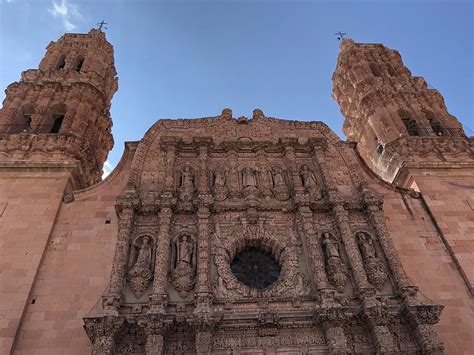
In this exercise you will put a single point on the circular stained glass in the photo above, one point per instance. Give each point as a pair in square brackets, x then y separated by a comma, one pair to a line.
[255, 268]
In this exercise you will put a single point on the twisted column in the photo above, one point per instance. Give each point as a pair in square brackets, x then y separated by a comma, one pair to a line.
[159, 295]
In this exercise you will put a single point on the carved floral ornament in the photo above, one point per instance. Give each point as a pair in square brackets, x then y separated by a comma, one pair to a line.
[141, 264]
[257, 237]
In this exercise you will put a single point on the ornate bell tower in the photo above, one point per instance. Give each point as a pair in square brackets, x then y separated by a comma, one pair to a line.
[387, 110]
[59, 113]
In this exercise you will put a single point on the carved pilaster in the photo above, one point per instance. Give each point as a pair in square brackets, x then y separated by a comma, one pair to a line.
[103, 332]
[203, 250]
[342, 221]
[422, 319]
[332, 321]
[111, 301]
[290, 159]
[154, 330]
[158, 298]
[168, 145]
[203, 180]
[312, 245]
[377, 318]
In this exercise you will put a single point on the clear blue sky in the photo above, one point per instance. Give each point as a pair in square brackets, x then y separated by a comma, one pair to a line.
[185, 59]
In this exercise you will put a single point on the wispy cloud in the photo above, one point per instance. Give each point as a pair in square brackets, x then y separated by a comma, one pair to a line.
[107, 169]
[67, 12]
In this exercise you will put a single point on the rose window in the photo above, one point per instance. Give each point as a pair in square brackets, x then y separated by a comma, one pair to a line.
[255, 268]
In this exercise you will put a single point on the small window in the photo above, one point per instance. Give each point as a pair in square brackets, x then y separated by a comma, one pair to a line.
[58, 121]
[411, 126]
[436, 127]
[79, 63]
[391, 71]
[62, 62]
[27, 120]
[380, 149]
[375, 69]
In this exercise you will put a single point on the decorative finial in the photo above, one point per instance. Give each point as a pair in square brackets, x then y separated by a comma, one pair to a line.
[102, 24]
[340, 35]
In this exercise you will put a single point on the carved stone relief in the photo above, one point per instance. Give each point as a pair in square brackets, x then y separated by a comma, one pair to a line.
[183, 264]
[250, 183]
[186, 185]
[277, 242]
[141, 263]
[335, 268]
[376, 271]
[279, 183]
[310, 184]
[219, 185]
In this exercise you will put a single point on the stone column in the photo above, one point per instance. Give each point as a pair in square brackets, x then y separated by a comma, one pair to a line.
[312, 246]
[203, 295]
[112, 300]
[377, 318]
[203, 255]
[332, 321]
[154, 330]
[159, 296]
[102, 332]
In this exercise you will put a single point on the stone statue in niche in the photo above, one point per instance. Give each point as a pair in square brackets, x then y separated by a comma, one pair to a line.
[183, 266]
[219, 186]
[376, 271]
[335, 268]
[309, 182]
[186, 186]
[279, 186]
[141, 262]
[249, 182]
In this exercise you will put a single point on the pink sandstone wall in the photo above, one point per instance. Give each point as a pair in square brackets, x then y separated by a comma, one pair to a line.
[430, 266]
[449, 195]
[29, 202]
[75, 269]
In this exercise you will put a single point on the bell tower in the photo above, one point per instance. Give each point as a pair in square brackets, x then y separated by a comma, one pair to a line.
[387, 110]
[59, 113]
[404, 133]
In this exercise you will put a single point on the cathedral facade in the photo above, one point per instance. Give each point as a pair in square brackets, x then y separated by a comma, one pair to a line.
[225, 235]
